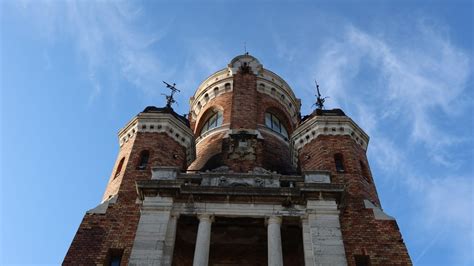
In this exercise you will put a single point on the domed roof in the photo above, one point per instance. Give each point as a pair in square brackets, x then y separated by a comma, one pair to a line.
[246, 60]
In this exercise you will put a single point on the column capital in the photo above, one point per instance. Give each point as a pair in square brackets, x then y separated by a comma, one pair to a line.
[273, 220]
[205, 217]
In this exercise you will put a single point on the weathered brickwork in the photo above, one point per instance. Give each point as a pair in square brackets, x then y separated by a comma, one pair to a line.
[268, 104]
[99, 233]
[362, 233]
[244, 101]
[317, 180]
[221, 102]
[206, 149]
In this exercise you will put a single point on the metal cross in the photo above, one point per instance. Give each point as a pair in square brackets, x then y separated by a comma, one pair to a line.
[169, 98]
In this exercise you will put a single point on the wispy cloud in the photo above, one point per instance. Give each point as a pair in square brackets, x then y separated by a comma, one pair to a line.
[109, 38]
[411, 84]
[418, 80]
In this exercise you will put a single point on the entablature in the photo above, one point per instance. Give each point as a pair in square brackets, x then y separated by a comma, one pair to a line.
[167, 181]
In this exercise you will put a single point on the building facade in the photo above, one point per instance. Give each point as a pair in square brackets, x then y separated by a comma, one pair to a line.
[242, 180]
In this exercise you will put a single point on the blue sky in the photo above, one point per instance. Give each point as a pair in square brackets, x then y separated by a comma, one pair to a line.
[74, 72]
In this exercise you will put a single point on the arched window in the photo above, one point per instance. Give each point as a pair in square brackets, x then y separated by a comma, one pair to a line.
[339, 162]
[365, 171]
[119, 167]
[213, 121]
[271, 121]
[144, 156]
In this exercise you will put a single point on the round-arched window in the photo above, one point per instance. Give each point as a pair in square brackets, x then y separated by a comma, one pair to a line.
[213, 121]
[272, 122]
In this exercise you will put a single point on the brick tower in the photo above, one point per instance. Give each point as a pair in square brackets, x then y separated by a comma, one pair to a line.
[243, 181]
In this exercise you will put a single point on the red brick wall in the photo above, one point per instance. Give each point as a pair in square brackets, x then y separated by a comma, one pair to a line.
[244, 107]
[244, 101]
[222, 101]
[362, 233]
[276, 154]
[116, 228]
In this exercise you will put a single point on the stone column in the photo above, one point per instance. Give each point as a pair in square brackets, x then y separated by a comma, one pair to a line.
[203, 240]
[275, 256]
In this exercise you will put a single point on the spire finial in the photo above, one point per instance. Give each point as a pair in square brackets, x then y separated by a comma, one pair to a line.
[169, 98]
[245, 48]
[319, 100]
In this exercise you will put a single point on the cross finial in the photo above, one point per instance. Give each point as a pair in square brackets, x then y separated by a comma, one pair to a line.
[169, 98]
[245, 48]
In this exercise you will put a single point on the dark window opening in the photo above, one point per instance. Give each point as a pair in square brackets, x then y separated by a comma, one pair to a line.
[144, 157]
[214, 162]
[338, 160]
[114, 257]
[365, 172]
[119, 167]
[362, 260]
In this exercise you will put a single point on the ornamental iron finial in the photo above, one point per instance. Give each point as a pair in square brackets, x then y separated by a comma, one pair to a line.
[319, 100]
[169, 98]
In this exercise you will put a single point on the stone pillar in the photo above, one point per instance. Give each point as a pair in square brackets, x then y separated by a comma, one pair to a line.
[149, 244]
[203, 241]
[275, 256]
[169, 240]
[325, 232]
[307, 244]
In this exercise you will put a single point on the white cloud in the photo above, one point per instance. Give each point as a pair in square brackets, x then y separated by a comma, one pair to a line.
[108, 36]
[411, 84]
[417, 80]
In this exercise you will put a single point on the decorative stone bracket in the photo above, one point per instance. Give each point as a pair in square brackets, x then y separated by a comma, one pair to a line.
[378, 213]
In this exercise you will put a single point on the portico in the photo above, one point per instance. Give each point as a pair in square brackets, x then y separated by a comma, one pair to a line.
[207, 227]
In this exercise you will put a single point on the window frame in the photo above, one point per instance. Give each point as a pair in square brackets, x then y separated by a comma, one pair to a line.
[275, 124]
[217, 120]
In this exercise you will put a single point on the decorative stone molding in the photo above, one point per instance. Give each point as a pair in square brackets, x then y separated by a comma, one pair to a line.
[164, 173]
[242, 60]
[378, 213]
[273, 85]
[317, 177]
[199, 101]
[277, 135]
[268, 83]
[161, 123]
[223, 127]
[325, 125]
[102, 208]
[227, 181]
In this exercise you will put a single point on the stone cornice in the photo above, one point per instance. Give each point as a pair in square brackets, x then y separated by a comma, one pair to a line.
[276, 87]
[326, 125]
[161, 123]
[207, 93]
[281, 93]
